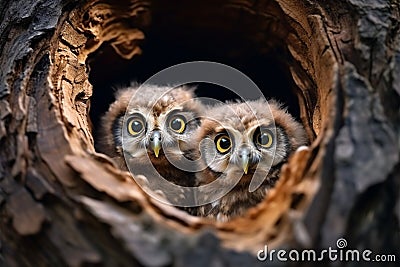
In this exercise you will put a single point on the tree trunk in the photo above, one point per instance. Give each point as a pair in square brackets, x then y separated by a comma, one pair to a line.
[63, 204]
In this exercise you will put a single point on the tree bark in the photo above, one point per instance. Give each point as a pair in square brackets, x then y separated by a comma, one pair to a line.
[63, 204]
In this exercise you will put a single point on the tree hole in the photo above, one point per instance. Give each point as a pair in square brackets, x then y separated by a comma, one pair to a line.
[276, 45]
[258, 45]
[163, 48]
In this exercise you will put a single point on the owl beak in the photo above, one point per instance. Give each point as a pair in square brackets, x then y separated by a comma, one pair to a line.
[244, 156]
[155, 142]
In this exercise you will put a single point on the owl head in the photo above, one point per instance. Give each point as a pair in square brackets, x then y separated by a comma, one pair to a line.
[151, 122]
[247, 139]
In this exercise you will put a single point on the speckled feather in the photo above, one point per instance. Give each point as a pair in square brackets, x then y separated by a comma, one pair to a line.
[156, 100]
[241, 117]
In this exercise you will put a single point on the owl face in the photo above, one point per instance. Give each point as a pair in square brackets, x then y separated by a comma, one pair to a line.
[152, 122]
[241, 152]
[157, 135]
[247, 139]
[240, 143]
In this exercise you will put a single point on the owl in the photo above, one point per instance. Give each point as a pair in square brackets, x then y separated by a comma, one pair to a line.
[249, 140]
[150, 128]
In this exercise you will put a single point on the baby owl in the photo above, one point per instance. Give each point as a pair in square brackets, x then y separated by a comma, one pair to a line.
[246, 140]
[158, 128]
[154, 130]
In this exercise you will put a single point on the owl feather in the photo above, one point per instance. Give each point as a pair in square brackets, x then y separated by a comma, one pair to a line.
[250, 140]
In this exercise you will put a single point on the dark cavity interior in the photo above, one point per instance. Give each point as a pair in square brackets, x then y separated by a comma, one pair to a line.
[171, 41]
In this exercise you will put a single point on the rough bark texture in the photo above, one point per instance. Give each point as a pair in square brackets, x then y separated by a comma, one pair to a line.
[62, 204]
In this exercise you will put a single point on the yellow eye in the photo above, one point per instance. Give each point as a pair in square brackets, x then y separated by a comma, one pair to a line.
[135, 126]
[264, 139]
[178, 124]
[223, 143]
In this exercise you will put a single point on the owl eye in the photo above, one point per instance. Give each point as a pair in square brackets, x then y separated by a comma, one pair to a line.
[264, 139]
[223, 143]
[135, 126]
[178, 124]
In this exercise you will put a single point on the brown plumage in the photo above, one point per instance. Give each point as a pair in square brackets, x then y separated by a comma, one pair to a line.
[245, 141]
[146, 125]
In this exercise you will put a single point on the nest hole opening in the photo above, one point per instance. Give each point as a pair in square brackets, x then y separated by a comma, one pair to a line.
[175, 36]
[268, 70]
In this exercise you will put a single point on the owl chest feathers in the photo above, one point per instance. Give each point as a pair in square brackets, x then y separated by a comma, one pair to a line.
[167, 170]
[237, 201]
